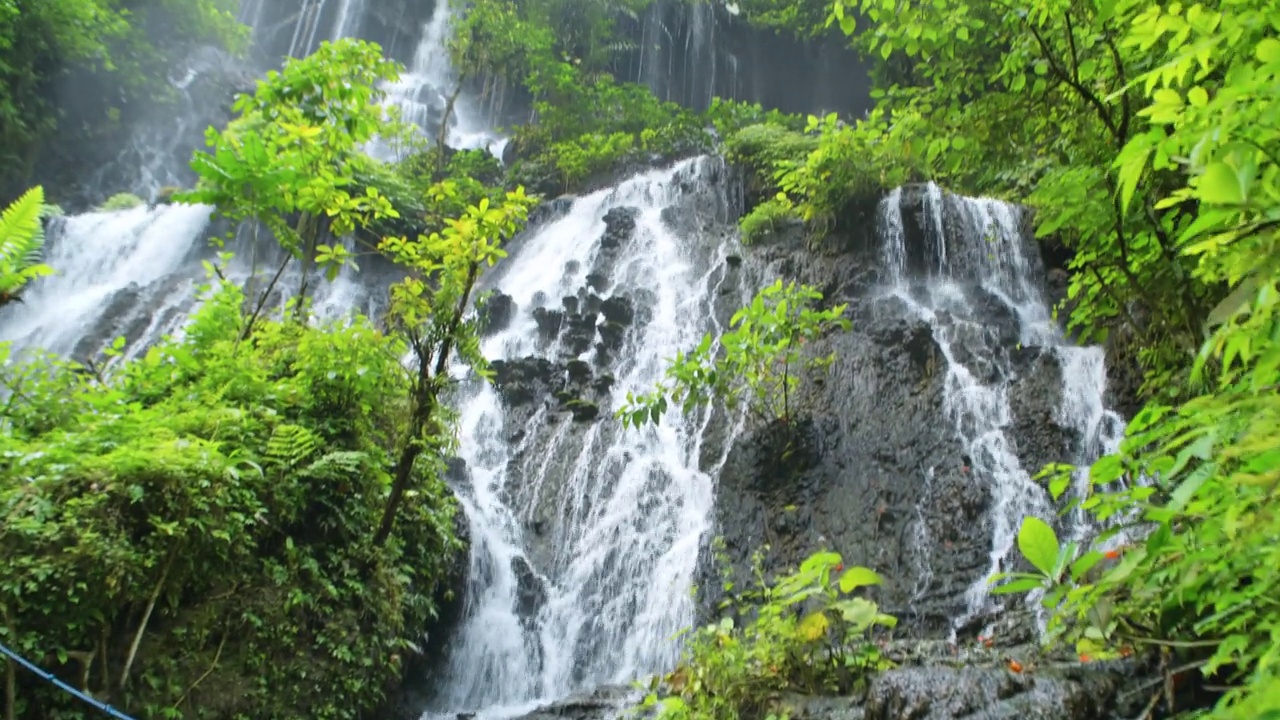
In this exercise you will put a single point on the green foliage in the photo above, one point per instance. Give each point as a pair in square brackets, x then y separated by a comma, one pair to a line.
[806, 633]
[730, 116]
[21, 244]
[216, 499]
[121, 201]
[762, 359]
[429, 308]
[111, 51]
[801, 18]
[1205, 577]
[289, 160]
[766, 218]
[817, 171]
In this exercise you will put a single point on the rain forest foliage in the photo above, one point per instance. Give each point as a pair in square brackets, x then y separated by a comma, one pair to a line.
[250, 520]
[78, 66]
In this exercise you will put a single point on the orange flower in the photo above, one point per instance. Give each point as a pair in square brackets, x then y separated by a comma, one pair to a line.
[1113, 554]
[839, 567]
[1085, 658]
[1015, 666]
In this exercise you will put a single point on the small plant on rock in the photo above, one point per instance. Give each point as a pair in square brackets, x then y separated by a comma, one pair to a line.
[761, 359]
[808, 633]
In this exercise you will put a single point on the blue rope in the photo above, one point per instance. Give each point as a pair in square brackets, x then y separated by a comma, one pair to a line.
[49, 676]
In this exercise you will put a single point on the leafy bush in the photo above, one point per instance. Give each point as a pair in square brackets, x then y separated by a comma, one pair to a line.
[806, 633]
[1198, 473]
[730, 116]
[761, 359]
[192, 536]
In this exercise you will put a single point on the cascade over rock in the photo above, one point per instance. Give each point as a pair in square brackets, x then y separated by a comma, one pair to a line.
[951, 390]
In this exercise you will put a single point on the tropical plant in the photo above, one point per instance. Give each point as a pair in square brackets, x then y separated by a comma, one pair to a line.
[202, 519]
[289, 160]
[762, 359]
[21, 245]
[430, 308]
[805, 633]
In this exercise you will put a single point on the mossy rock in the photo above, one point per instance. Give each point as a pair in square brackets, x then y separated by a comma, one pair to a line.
[583, 410]
[121, 201]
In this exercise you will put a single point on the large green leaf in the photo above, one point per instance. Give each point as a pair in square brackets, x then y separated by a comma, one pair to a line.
[1039, 544]
[856, 577]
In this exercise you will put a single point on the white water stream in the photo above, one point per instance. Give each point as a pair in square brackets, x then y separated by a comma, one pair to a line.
[978, 244]
[631, 507]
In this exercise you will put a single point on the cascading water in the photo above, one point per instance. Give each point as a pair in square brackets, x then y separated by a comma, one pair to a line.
[422, 93]
[599, 598]
[975, 257]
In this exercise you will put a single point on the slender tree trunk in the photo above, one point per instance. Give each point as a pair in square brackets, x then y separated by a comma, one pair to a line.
[443, 134]
[146, 615]
[262, 299]
[308, 229]
[426, 399]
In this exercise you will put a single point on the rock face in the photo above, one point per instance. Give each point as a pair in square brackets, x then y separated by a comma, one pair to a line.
[880, 470]
[931, 684]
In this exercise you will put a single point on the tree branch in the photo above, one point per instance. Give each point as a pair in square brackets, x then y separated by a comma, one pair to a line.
[208, 672]
[146, 615]
[1103, 113]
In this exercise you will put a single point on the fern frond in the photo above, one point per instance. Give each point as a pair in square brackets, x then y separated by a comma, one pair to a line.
[22, 242]
[21, 232]
[291, 445]
[337, 465]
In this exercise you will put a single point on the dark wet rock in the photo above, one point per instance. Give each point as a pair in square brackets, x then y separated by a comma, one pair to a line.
[602, 703]
[620, 225]
[597, 281]
[521, 380]
[579, 334]
[611, 335]
[604, 383]
[579, 371]
[549, 322]
[571, 268]
[496, 314]
[618, 309]
[531, 590]
[592, 305]
[1034, 399]
[583, 410]
[942, 693]
[570, 303]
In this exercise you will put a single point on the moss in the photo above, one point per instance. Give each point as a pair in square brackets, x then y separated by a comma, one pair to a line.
[583, 410]
[121, 201]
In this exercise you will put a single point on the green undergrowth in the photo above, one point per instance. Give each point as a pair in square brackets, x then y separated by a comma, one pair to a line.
[190, 535]
[817, 172]
[807, 632]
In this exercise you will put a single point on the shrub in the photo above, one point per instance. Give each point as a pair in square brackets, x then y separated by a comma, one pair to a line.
[806, 633]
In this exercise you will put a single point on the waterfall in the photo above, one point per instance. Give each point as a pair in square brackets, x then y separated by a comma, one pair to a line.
[422, 93]
[976, 257]
[599, 597]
